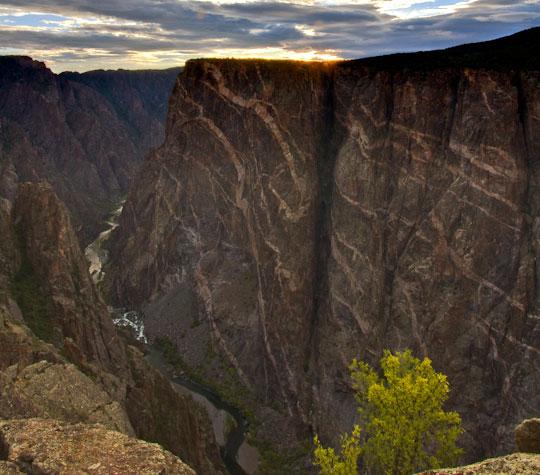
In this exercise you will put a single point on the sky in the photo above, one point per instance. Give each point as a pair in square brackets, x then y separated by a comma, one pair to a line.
[81, 35]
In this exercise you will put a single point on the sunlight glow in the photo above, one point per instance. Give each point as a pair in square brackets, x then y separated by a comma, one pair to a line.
[306, 30]
[276, 53]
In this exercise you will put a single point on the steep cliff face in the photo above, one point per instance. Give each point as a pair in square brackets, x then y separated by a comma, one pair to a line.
[78, 317]
[433, 238]
[299, 215]
[60, 355]
[236, 186]
[86, 140]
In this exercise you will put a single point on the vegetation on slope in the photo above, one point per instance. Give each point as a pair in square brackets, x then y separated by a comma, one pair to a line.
[35, 306]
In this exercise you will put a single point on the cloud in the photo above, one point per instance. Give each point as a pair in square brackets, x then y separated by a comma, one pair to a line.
[86, 34]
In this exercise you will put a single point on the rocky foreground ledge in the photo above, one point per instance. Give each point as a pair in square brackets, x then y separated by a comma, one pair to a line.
[47, 446]
[514, 464]
[526, 462]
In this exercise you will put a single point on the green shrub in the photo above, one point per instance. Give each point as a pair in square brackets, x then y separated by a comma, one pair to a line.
[405, 428]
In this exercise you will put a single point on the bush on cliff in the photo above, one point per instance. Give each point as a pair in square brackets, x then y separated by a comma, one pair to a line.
[404, 426]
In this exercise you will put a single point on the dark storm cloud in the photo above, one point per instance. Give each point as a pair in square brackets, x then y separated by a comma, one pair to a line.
[173, 30]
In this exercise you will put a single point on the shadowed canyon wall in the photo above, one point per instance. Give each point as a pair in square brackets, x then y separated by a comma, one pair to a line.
[299, 215]
[139, 98]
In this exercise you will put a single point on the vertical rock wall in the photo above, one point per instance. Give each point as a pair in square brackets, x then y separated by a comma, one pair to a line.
[299, 215]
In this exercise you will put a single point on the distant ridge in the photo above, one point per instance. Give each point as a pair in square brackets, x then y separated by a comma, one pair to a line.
[85, 134]
[518, 51]
[134, 90]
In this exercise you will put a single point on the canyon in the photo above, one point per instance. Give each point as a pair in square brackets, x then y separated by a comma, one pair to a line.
[299, 215]
[285, 218]
[62, 358]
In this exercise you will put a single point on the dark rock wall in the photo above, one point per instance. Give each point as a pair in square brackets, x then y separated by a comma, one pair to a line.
[299, 215]
[234, 235]
[433, 242]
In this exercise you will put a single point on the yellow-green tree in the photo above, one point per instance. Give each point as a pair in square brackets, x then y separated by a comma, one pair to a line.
[344, 463]
[405, 428]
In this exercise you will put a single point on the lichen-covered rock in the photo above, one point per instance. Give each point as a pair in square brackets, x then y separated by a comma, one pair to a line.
[50, 447]
[8, 468]
[528, 436]
[514, 464]
[58, 391]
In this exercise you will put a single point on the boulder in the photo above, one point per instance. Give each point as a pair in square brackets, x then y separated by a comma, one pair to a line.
[528, 436]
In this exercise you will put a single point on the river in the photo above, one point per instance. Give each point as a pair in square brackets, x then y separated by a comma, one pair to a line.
[228, 423]
[95, 253]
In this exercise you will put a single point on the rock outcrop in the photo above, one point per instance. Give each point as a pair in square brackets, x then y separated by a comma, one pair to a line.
[18, 345]
[79, 320]
[514, 464]
[46, 447]
[58, 391]
[528, 436]
[85, 140]
[299, 215]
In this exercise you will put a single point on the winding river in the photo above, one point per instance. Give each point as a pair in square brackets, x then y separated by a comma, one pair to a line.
[228, 423]
[95, 253]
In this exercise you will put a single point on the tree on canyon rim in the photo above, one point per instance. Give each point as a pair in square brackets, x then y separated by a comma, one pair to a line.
[404, 426]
